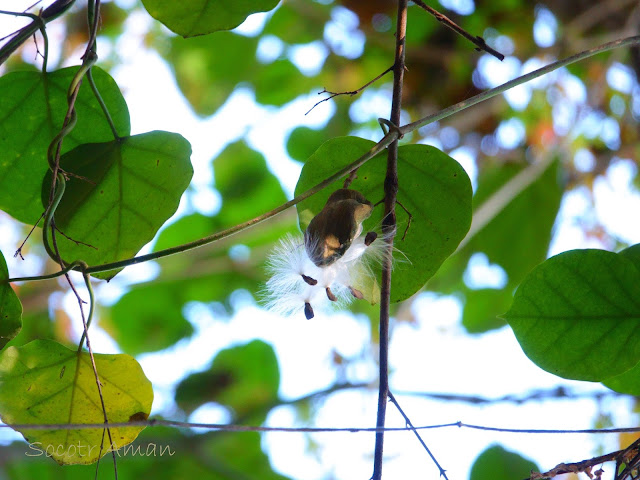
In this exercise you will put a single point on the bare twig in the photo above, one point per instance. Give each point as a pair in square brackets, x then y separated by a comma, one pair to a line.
[476, 40]
[351, 93]
[410, 425]
[388, 228]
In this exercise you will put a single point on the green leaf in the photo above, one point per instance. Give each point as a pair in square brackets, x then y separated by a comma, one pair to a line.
[246, 185]
[632, 253]
[433, 187]
[207, 68]
[124, 192]
[10, 307]
[151, 316]
[288, 25]
[240, 455]
[244, 378]
[497, 463]
[199, 17]
[481, 307]
[32, 108]
[627, 382]
[44, 382]
[147, 319]
[303, 141]
[575, 313]
[528, 240]
[207, 71]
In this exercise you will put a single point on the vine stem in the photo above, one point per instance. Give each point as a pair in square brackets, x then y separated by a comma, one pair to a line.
[50, 13]
[392, 135]
[388, 227]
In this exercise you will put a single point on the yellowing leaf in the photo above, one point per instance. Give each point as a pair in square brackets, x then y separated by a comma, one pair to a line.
[44, 382]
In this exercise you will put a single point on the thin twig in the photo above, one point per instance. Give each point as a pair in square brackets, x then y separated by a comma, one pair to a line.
[350, 93]
[389, 228]
[410, 425]
[476, 40]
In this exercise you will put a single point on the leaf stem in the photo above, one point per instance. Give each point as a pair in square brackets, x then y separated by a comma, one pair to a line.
[103, 105]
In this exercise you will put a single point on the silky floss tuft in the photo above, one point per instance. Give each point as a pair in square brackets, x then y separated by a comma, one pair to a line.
[329, 262]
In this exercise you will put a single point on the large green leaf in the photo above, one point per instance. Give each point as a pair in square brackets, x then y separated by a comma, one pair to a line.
[44, 382]
[243, 378]
[124, 192]
[497, 463]
[629, 381]
[577, 315]
[433, 187]
[199, 17]
[32, 108]
[10, 307]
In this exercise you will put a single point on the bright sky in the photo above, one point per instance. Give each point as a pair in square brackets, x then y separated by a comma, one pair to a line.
[435, 354]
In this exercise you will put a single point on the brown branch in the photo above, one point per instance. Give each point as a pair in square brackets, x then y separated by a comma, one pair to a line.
[628, 457]
[350, 93]
[477, 40]
[388, 228]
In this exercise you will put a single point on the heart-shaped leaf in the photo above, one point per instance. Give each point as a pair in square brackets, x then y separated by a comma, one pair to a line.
[432, 187]
[577, 315]
[120, 195]
[199, 17]
[44, 382]
[32, 108]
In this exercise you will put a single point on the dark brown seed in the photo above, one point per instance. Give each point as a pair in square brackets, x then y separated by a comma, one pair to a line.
[330, 295]
[369, 238]
[356, 293]
[309, 280]
[308, 311]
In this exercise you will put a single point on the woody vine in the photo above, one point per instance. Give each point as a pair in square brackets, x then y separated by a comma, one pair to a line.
[94, 181]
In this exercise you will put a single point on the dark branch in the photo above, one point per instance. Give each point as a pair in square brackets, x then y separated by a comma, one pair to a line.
[388, 228]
